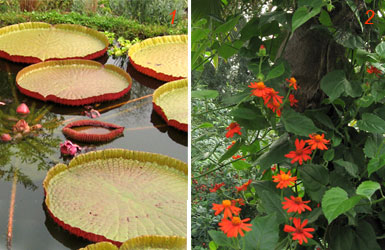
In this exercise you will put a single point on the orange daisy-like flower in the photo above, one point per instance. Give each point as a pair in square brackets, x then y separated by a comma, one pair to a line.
[318, 141]
[374, 70]
[227, 207]
[299, 232]
[244, 186]
[237, 157]
[284, 179]
[258, 89]
[295, 204]
[234, 226]
[293, 83]
[232, 129]
[272, 96]
[232, 144]
[217, 187]
[240, 201]
[292, 100]
[300, 154]
[275, 107]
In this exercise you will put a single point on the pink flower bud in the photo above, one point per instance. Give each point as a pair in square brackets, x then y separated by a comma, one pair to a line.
[6, 137]
[21, 126]
[36, 127]
[22, 109]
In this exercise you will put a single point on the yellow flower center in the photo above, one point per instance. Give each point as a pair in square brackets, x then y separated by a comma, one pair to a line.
[285, 177]
[317, 137]
[226, 203]
[293, 80]
[260, 85]
[236, 221]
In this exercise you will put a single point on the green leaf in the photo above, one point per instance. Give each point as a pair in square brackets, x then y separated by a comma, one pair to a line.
[241, 165]
[329, 155]
[376, 164]
[227, 50]
[228, 26]
[245, 113]
[250, 117]
[206, 125]
[365, 101]
[264, 234]
[204, 94]
[198, 34]
[297, 123]
[220, 238]
[213, 246]
[367, 188]
[230, 152]
[271, 203]
[315, 178]
[380, 49]
[302, 15]
[334, 84]
[350, 167]
[276, 153]
[336, 202]
[276, 72]
[372, 123]
[374, 145]
[325, 19]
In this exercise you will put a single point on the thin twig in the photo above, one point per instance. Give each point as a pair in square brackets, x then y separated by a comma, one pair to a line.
[11, 211]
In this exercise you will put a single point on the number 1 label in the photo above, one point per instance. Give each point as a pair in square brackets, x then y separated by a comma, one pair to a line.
[173, 16]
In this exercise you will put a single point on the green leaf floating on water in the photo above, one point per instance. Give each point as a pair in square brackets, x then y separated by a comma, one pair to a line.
[37, 41]
[118, 194]
[143, 243]
[73, 82]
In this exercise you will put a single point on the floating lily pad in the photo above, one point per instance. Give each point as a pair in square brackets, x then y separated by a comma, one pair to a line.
[115, 195]
[73, 82]
[143, 243]
[36, 42]
[92, 131]
[171, 102]
[164, 58]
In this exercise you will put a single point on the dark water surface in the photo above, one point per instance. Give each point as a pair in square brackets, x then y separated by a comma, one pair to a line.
[33, 229]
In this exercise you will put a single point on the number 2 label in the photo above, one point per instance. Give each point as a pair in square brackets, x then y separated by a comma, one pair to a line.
[370, 18]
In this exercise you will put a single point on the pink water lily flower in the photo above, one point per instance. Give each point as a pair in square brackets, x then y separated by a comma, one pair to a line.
[22, 109]
[93, 113]
[21, 126]
[6, 137]
[69, 148]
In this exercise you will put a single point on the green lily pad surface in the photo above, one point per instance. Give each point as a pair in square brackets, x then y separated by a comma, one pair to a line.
[35, 42]
[118, 194]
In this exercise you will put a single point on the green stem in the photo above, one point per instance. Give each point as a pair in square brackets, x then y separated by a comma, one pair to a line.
[312, 156]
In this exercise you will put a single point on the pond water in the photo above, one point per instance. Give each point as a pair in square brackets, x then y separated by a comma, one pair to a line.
[32, 157]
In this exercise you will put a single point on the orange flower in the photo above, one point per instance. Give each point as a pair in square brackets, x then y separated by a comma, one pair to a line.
[272, 96]
[258, 89]
[284, 179]
[374, 70]
[240, 201]
[232, 129]
[292, 100]
[216, 187]
[317, 141]
[235, 226]
[244, 186]
[293, 83]
[299, 232]
[227, 207]
[275, 107]
[300, 154]
[237, 157]
[232, 144]
[295, 204]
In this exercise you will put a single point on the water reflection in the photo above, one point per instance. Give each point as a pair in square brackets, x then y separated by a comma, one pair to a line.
[176, 135]
[143, 79]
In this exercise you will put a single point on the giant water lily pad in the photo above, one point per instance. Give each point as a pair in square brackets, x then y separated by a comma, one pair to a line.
[92, 131]
[171, 102]
[37, 41]
[73, 82]
[143, 243]
[115, 195]
[164, 58]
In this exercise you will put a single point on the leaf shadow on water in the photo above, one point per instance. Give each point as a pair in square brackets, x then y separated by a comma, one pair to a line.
[176, 135]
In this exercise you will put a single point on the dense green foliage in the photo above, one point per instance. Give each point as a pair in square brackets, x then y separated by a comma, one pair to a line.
[344, 183]
[121, 26]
